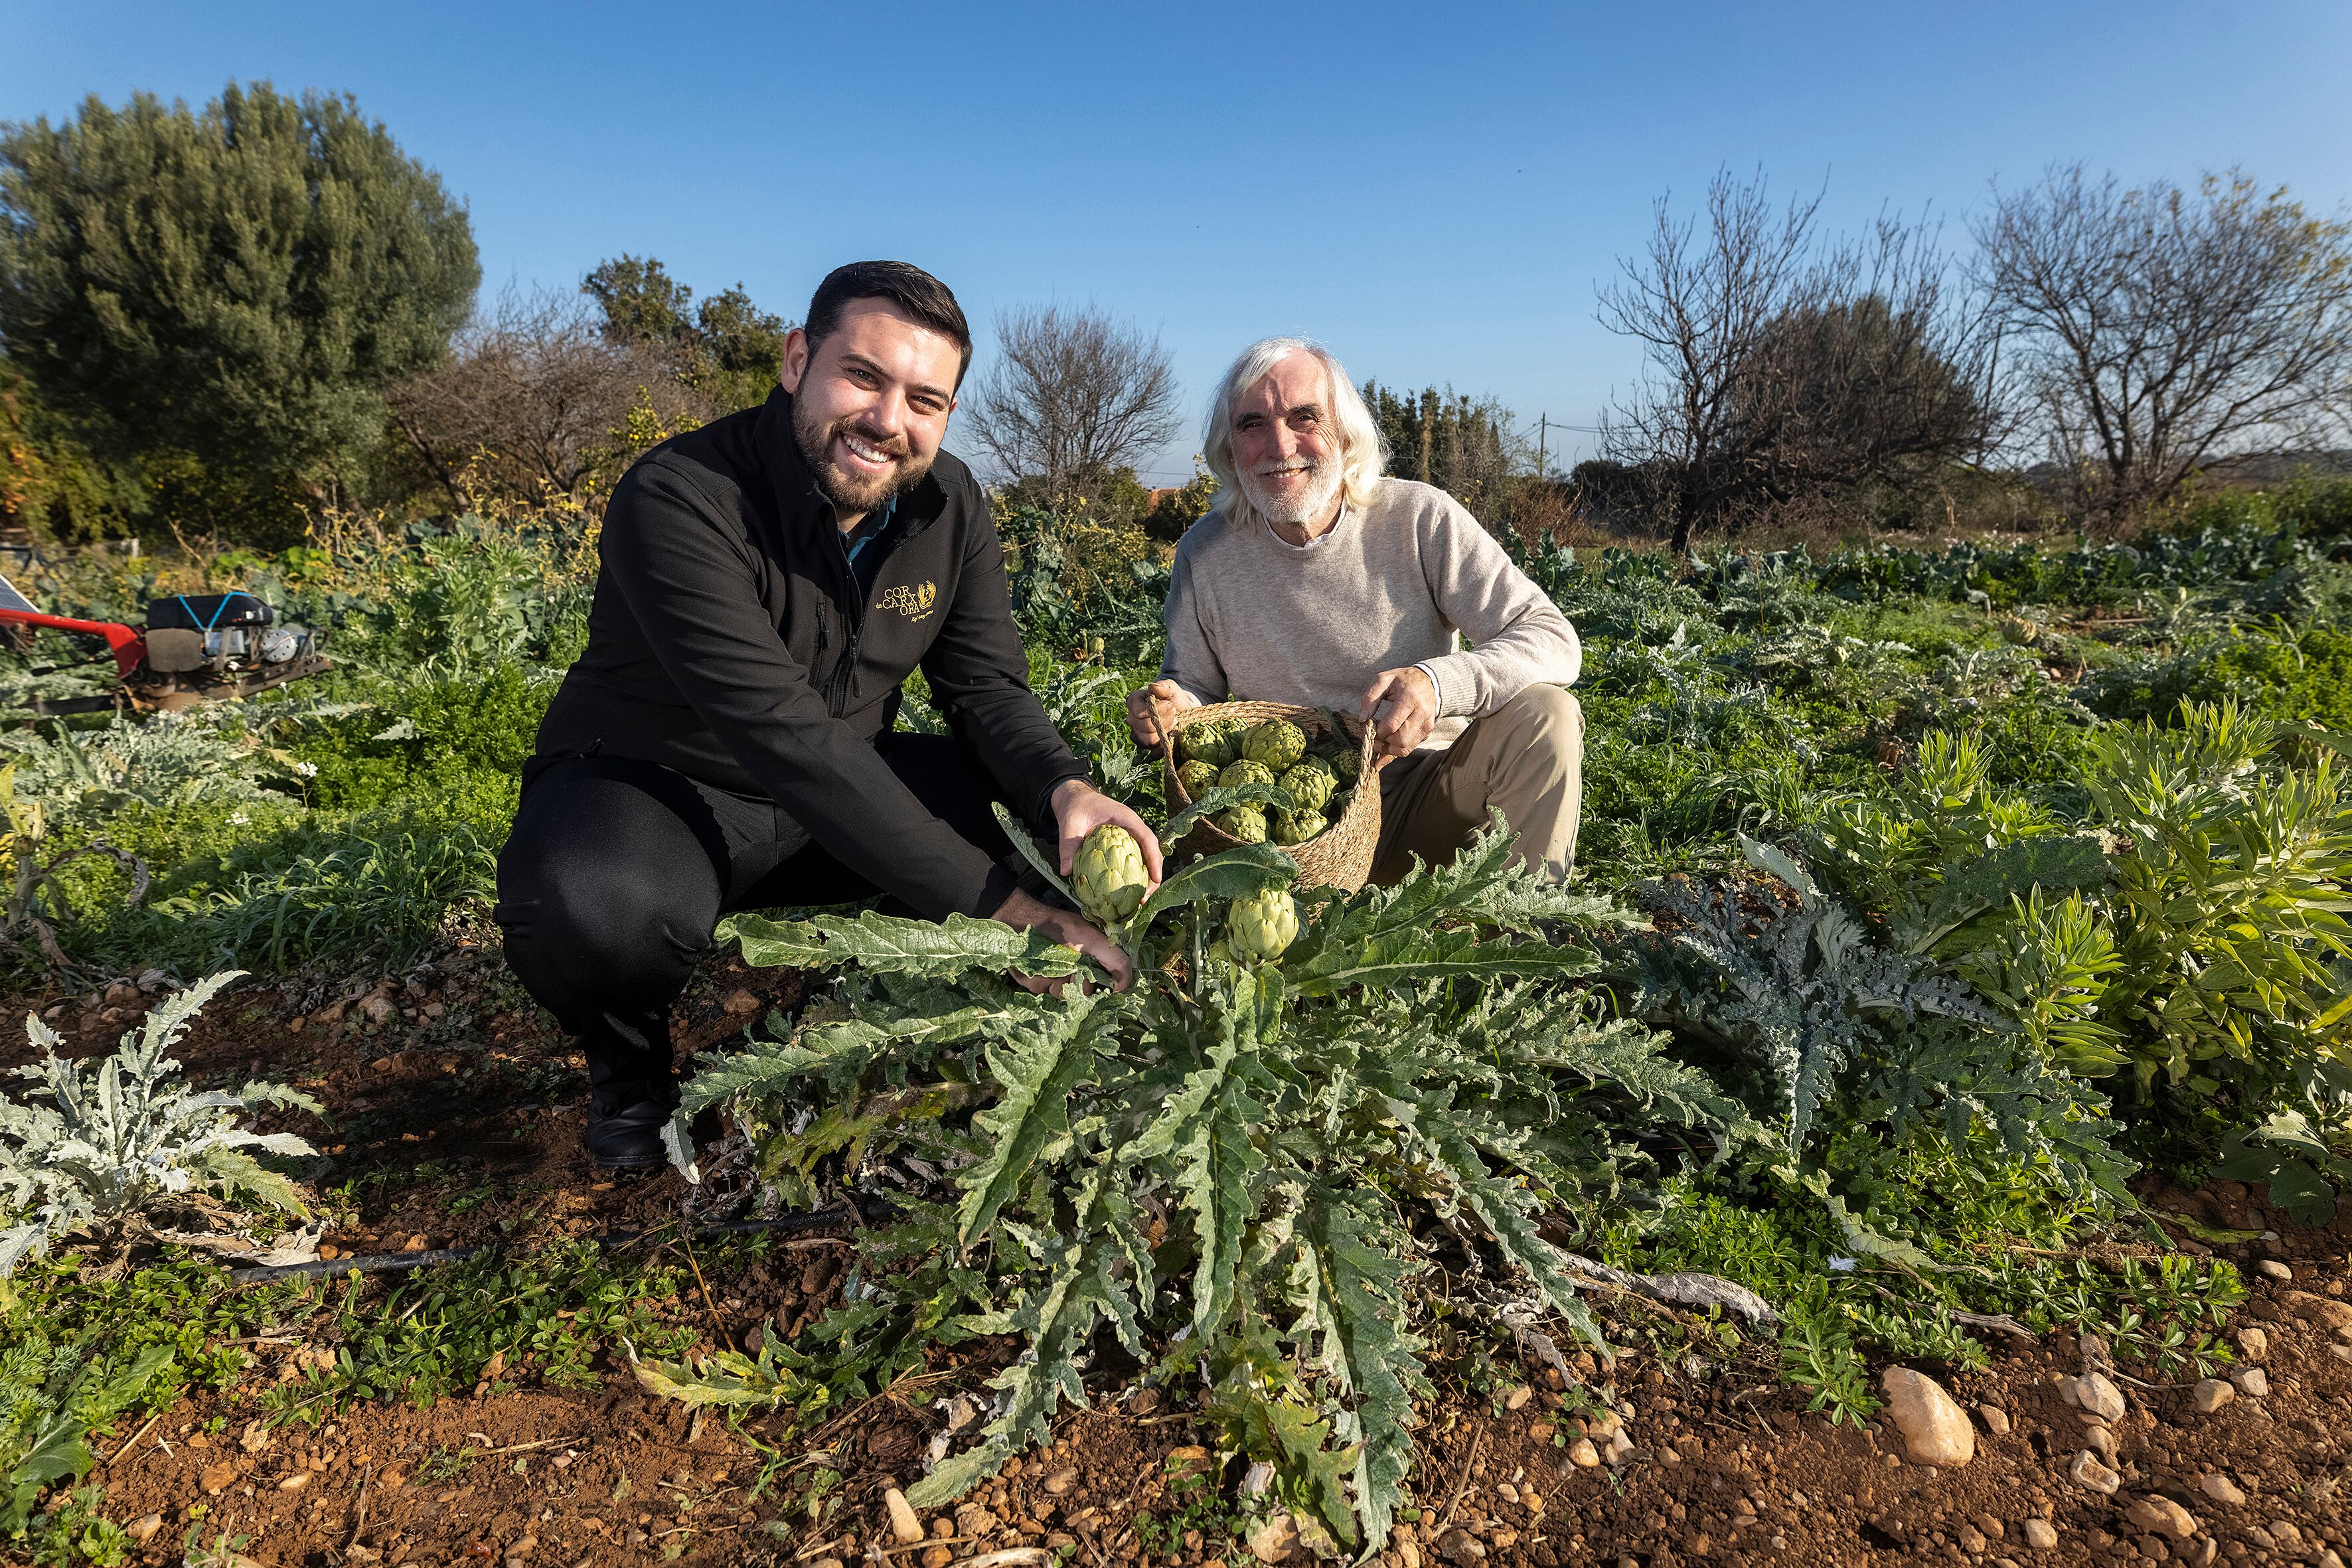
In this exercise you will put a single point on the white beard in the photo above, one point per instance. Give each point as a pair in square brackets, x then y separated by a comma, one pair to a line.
[1306, 506]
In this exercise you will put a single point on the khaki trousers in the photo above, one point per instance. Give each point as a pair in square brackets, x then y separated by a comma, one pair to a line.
[1526, 760]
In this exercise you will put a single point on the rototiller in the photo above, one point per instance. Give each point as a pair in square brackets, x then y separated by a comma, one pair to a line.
[195, 647]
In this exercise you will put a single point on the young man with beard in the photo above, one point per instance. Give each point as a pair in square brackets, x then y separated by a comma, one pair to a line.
[726, 740]
[1316, 580]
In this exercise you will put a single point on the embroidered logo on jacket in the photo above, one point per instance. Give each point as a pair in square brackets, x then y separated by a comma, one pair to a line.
[912, 602]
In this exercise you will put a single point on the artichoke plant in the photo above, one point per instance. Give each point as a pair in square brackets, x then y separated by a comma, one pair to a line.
[1238, 1166]
[1277, 743]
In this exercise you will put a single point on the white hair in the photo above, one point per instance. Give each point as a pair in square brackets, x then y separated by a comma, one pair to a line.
[1362, 458]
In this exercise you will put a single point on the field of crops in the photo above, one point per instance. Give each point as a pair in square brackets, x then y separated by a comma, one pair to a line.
[1959, 966]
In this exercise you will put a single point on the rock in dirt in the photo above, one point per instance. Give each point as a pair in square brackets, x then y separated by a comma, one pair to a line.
[2102, 1440]
[2089, 1470]
[1935, 1430]
[2210, 1394]
[1995, 1419]
[938, 1557]
[1458, 1545]
[2254, 1343]
[1275, 1540]
[2041, 1534]
[2324, 1311]
[1582, 1453]
[2252, 1381]
[2221, 1489]
[143, 1527]
[1059, 1483]
[217, 1477]
[740, 1002]
[2161, 1516]
[2272, 1268]
[1516, 1397]
[295, 1482]
[2099, 1396]
[903, 1522]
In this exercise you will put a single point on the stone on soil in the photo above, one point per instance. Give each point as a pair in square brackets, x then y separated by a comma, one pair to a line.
[2322, 1309]
[1995, 1419]
[2089, 1470]
[2041, 1534]
[2255, 1343]
[1935, 1430]
[2099, 1396]
[2272, 1268]
[144, 1526]
[2221, 1489]
[2210, 1394]
[2252, 1381]
[2161, 1516]
[903, 1522]
[1582, 1453]
[1275, 1540]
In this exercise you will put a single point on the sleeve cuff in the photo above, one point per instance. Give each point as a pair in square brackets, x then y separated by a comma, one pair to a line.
[1452, 700]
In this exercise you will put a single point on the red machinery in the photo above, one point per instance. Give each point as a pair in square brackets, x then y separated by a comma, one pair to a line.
[195, 647]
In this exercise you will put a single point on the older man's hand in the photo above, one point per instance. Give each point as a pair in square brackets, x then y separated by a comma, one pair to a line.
[1151, 712]
[1402, 706]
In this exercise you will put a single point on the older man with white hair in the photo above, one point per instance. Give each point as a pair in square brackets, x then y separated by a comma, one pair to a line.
[1318, 580]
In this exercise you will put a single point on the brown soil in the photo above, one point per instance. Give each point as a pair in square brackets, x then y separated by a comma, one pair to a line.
[463, 1127]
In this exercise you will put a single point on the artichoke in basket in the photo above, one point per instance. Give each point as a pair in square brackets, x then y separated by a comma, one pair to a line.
[1295, 826]
[1243, 823]
[1108, 875]
[1245, 773]
[1346, 764]
[1197, 778]
[1259, 927]
[1311, 784]
[1215, 741]
[1278, 743]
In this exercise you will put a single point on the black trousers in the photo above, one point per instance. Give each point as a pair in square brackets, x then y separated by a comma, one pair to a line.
[616, 870]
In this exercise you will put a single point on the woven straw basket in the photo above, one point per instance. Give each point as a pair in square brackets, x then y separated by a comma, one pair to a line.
[1341, 854]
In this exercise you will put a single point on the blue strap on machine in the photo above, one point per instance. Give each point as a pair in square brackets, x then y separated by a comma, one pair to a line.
[218, 610]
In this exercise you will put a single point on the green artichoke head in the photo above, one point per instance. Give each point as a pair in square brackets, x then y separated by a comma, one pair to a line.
[1198, 777]
[1108, 875]
[1215, 743]
[1245, 824]
[1278, 743]
[1257, 928]
[1346, 764]
[1245, 773]
[1310, 783]
[1295, 826]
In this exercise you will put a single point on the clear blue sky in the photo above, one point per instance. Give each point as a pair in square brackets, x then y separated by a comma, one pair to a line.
[1434, 190]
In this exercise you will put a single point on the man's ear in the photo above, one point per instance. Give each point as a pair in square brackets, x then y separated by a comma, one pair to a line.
[796, 360]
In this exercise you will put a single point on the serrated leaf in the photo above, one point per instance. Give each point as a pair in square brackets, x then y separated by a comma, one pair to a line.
[886, 944]
[1223, 797]
[1990, 881]
[1234, 874]
[1036, 1069]
[1398, 958]
[1046, 866]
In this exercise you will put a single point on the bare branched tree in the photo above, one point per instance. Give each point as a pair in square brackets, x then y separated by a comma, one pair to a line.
[1702, 307]
[2159, 327]
[534, 401]
[1781, 366]
[1073, 397]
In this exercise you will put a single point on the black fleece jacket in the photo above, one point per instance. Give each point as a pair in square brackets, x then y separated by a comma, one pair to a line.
[729, 640]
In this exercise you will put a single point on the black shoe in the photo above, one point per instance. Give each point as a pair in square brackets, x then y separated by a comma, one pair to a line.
[628, 1138]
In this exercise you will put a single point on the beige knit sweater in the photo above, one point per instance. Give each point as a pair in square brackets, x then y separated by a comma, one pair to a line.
[1400, 583]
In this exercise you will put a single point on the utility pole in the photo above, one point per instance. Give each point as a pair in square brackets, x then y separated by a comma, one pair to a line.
[1543, 430]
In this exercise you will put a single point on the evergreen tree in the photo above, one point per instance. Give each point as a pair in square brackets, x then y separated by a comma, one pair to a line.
[728, 350]
[228, 290]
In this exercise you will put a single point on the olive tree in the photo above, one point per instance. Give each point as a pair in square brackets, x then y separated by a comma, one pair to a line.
[236, 285]
[2156, 328]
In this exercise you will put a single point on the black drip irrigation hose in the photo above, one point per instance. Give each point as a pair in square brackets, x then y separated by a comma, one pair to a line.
[395, 1262]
